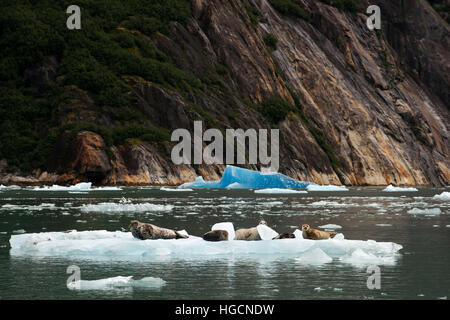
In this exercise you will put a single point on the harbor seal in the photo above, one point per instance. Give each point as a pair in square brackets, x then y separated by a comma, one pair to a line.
[146, 231]
[284, 236]
[216, 235]
[314, 234]
[250, 234]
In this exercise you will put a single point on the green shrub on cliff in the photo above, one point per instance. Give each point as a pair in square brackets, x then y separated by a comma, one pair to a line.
[275, 109]
[270, 40]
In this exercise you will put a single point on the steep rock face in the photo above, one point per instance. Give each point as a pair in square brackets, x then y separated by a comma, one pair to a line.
[384, 126]
[372, 108]
[91, 159]
[378, 102]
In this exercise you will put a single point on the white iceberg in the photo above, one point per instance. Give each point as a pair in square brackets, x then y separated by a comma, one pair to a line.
[433, 211]
[331, 226]
[241, 178]
[122, 246]
[360, 258]
[82, 186]
[116, 282]
[110, 207]
[316, 187]
[279, 191]
[174, 189]
[11, 187]
[315, 256]
[391, 188]
[444, 196]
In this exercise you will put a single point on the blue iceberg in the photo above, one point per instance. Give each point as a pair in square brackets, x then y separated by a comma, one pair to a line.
[240, 178]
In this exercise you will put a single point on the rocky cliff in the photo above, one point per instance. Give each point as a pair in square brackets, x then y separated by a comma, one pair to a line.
[368, 107]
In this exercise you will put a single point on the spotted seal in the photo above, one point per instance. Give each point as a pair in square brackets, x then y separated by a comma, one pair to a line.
[146, 231]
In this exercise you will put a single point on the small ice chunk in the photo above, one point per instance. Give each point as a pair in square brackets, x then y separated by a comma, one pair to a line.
[116, 282]
[19, 231]
[227, 226]
[339, 236]
[444, 196]
[318, 289]
[174, 189]
[331, 226]
[279, 191]
[265, 232]
[298, 234]
[107, 207]
[383, 225]
[432, 211]
[361, 258]
[391, 188]
[78, 186]
[316, 187]
[315, 256]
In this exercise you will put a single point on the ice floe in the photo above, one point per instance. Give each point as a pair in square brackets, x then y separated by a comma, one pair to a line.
[391, 188]
[279, 191]
[432, 211]
[362, 258]
[82, 186]
[116, 282]
[40, 207]
[118, 245]
[331, 226]
[444, 196]
[236, 177]
[11, 187]
[111, 207]
[316, 187]
[174, 189]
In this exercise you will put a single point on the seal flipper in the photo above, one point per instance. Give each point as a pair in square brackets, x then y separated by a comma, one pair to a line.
[180, 236]
[332, 234]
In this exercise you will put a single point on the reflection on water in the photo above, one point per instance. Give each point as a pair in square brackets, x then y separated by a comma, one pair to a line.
[420, 271]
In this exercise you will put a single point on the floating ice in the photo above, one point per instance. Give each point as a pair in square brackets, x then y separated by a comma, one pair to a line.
[265, 232]
[425, 211]
[383, 225]
[116, 282]
[331, 226]
[110, 207]
[122, 246]
[316, 187]
[325, 203]
[444, 196]
[12, 187]
[391, 188]
[19, 231]
[82, 186]
[361, 258]
[315, 256]
[174, 189]
[78, 186]
[247, 179]
[278, 190]
[40, 207]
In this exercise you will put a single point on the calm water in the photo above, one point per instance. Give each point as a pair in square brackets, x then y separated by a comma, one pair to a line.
[421, 270]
